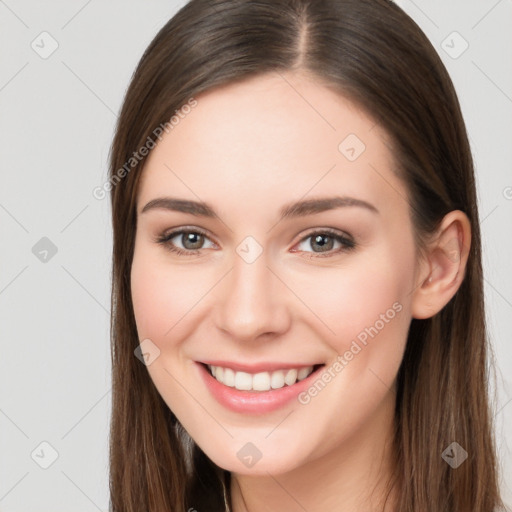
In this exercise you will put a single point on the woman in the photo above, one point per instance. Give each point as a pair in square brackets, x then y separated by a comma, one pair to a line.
[298, 316]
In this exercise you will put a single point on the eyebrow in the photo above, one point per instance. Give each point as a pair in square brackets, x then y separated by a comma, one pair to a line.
[292, 210]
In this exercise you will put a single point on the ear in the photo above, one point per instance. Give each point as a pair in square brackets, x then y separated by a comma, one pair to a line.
[443, 267]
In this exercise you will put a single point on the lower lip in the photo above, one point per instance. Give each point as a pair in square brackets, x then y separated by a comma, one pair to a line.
[257, 402]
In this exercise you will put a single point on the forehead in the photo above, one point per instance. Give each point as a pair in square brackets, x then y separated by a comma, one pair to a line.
[269, 136]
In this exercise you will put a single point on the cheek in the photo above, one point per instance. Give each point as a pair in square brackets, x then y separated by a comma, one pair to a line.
[348, 302]
[162, 295]
[163, 299]
[367, 312]
[364, 312]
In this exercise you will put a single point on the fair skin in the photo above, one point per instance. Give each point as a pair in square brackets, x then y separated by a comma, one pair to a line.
[248, 149]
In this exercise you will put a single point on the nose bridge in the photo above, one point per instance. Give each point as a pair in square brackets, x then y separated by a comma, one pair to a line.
[252, 296]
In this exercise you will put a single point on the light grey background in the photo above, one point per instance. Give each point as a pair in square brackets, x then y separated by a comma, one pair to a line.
[56, 124]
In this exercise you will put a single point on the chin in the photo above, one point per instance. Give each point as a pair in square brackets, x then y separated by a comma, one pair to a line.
[257, 459]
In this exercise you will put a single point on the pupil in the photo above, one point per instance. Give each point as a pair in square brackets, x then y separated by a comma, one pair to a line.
[189, 238]
[325, 246]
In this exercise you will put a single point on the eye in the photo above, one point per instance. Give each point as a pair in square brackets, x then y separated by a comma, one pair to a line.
[191, 240]
[325, 240]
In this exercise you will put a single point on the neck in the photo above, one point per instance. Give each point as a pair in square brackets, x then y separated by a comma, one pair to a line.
[350, 478]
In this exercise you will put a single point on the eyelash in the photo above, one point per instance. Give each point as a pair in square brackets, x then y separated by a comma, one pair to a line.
[347, 244]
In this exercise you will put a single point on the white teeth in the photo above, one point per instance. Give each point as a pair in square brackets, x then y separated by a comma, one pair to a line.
[303, 373]
[228, 378]
[263, 381]
[243, 381]
[277, 379]
[291, 376]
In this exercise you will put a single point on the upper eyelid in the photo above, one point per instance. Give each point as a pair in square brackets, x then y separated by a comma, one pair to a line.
[179, 231]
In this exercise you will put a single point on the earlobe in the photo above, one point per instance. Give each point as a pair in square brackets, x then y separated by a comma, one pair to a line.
[444, 265]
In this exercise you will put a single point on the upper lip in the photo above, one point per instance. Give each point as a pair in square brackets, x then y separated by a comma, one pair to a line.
[258, 367]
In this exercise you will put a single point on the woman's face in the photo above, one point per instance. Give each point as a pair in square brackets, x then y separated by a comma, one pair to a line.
[268, 297]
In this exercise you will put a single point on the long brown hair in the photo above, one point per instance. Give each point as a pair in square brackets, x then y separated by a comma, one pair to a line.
[371, 52]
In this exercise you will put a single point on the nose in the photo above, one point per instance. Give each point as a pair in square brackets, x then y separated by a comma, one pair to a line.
[253, 301]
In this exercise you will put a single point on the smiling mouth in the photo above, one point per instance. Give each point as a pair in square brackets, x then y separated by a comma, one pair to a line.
[261, 381]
